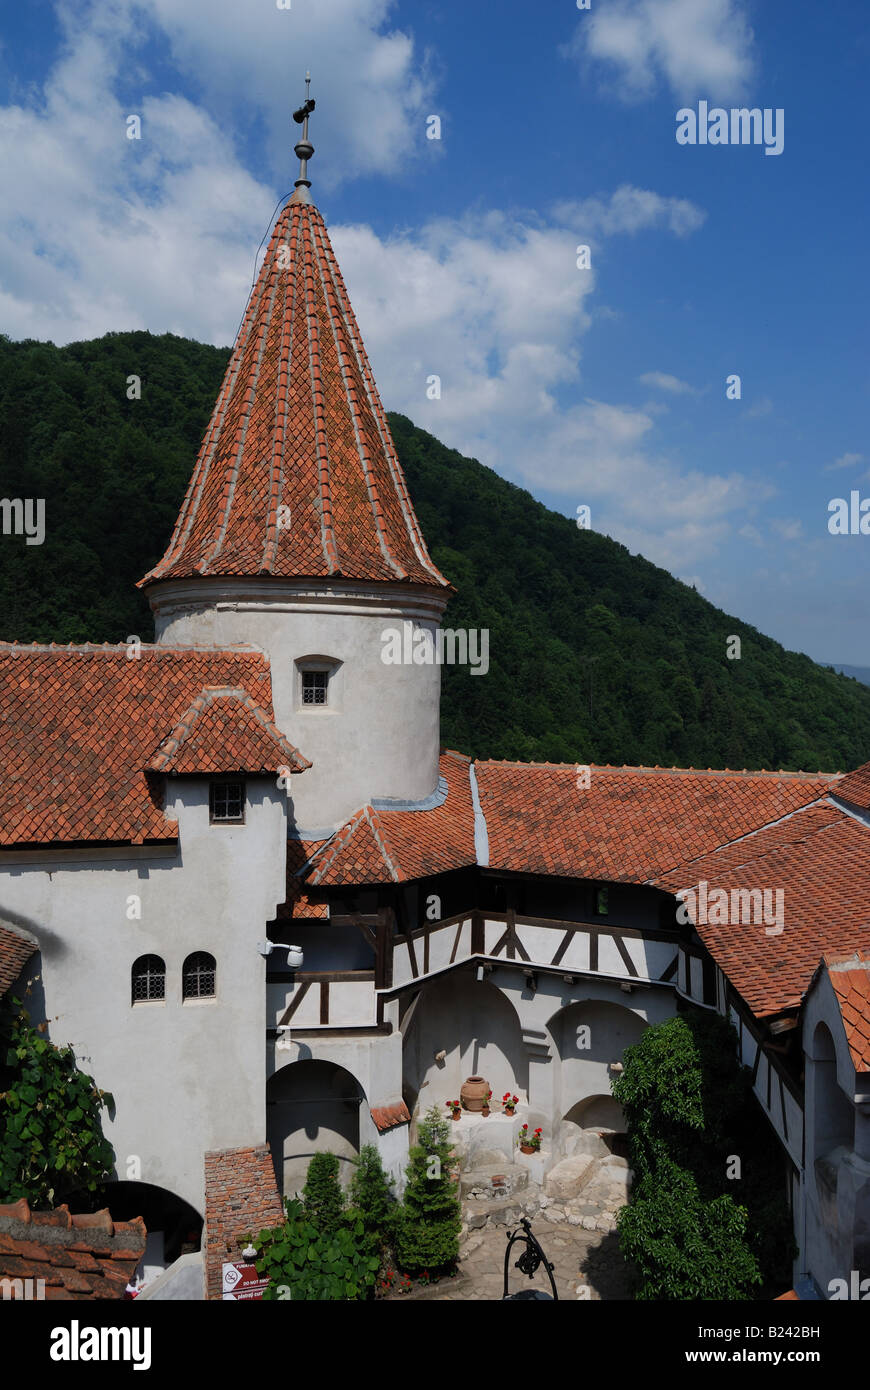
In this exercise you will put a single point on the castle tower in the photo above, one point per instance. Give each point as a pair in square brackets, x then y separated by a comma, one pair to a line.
[297, 535]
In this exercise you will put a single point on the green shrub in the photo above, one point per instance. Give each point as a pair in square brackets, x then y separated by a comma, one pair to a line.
[306, 1264]
[684, 1247]
[322, 1195]
[428, 1233]
[51, 1138]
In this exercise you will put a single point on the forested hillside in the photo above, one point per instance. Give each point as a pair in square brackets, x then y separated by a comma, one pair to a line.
[595, 654]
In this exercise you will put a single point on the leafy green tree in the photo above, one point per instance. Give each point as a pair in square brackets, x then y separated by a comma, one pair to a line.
[372, 1201]
[691, 1230]
[322, 1195]
[306, 1263]
[428, 1235]
[51, 1138]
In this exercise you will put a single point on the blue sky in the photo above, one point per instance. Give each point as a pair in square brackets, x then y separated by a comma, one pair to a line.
[604, 387]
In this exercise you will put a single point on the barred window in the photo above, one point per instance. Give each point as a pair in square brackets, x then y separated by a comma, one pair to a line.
[228, 801]
[198, 976]
[149, 979]
[314, 685]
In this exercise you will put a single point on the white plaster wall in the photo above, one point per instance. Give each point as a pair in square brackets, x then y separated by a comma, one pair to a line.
[186, 1077]
[379, 734]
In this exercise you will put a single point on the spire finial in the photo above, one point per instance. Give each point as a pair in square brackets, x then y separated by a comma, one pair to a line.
[304, 148]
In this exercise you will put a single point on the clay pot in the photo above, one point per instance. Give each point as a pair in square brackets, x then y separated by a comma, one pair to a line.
[457, 1114]
[526, 1149]
[473, 1092]
[485, 1111]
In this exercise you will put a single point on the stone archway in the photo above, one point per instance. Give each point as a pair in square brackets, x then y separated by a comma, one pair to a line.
[174, 1227]
[312, 1106]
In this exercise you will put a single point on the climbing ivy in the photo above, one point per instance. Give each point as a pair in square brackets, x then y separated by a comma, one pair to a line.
[51, 1138]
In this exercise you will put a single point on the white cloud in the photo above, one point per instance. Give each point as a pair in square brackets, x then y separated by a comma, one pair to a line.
[631, 210]
[100, 233]
[699, 48]
[844, 461]
[790, 529]
[663, 381]
[373, 91]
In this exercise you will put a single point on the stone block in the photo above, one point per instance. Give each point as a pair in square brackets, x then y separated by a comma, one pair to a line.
[569, 1176]
[573, 1140]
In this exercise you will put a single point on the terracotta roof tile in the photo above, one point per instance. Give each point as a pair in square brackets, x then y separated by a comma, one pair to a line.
[86, 721]
[297, 474]
[850, 978]
[855, 787]
[631, 824]
[820, 858]
[379, 846]
[388, 1116]
[78, 1257]
[15, 951]
[225, 731]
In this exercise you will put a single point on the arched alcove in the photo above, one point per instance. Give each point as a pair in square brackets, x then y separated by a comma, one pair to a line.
[597, 1112]
[312, 1106]
[590, 1036]
[833, 1116]
[174, 1227]
[478, 1031]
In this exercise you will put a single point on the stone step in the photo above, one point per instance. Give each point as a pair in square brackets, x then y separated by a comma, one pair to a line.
[493, 1181]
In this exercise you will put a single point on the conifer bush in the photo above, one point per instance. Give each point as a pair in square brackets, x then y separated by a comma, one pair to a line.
[373, 1203]
[428, 1234]
[322, 1196]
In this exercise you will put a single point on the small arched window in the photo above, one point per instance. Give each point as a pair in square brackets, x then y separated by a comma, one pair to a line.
[148, 979]
[198, 976]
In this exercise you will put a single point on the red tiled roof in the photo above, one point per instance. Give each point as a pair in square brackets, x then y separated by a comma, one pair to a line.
[79, 726]
[15, 952]
[632, 823]
[78, 1257]
[855, 787]
[820, 858]
[850, 977]
[225, 731]
[388, 1116]
[297, 474]
[378, 846]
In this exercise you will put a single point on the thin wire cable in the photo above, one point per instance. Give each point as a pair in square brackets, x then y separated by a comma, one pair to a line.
[269, 225]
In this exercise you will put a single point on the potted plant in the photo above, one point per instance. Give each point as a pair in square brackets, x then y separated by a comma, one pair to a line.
[510, 1103]
[524, 1141]
[455, 1107]
[484, 1109]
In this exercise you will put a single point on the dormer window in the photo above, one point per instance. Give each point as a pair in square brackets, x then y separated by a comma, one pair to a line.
[227, 803]
[314, 687]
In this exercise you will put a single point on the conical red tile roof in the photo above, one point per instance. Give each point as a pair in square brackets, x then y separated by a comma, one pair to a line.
[299, 425]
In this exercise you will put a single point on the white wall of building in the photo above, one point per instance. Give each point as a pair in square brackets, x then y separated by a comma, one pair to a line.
[186, 1076]
[378, 736]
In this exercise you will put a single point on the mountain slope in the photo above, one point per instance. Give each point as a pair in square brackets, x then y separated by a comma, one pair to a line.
[595, 655]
